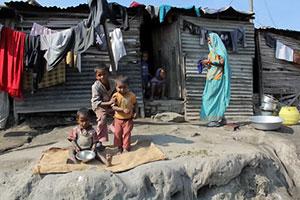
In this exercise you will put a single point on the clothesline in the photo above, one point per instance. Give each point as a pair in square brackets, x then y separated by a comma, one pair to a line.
[55, 45]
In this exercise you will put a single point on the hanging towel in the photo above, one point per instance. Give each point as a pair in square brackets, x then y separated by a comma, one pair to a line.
[57, 46]
[117, 45]
[12, 45]
[4, 109]
[284, 52]
[38, 29]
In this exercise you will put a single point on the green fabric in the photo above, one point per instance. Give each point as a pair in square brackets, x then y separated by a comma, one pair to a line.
[216, 94]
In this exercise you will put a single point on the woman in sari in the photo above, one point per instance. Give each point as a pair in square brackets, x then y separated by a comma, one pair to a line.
[216, 94]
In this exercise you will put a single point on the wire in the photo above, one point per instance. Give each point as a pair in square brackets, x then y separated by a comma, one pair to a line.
[269, 13]
[230, 3]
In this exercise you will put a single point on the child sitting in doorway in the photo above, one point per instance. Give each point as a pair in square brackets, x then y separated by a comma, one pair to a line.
[125, 111]
[84, 137]
[102, 91]
[158, 84]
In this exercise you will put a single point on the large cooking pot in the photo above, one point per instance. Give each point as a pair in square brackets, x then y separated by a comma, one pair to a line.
[268, 106]
[290, 115]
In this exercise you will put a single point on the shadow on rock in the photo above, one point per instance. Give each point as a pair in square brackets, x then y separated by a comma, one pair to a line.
[20, 133]
[162, 139]
[285, 129]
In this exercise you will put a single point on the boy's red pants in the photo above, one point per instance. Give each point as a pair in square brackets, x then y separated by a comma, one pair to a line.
[123, 128]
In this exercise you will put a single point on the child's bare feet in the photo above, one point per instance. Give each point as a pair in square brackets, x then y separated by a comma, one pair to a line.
[120, 150]
[109, 160]
[72, 161]
[125, 151]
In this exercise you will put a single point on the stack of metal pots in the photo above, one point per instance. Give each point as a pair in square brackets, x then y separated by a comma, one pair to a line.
[268, 106]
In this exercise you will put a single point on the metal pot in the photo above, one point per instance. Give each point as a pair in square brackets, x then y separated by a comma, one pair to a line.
[266, 113]
[268, 106]
[269, 99]
[266, 122]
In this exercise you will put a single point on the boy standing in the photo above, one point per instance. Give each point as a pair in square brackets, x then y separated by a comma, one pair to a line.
[102, 90]
[125, 111]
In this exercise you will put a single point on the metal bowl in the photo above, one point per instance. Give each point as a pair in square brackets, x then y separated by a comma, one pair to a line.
[85, 155]
[266, 123]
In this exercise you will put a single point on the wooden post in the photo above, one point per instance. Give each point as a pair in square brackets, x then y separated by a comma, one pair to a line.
[109, 49]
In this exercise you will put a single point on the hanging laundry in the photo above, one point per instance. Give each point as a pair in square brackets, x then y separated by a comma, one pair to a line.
[57, 46]
[118, 11]
[12, 45]
[38, 29]
[1, 26]
[34, 61]
[84, 37]
[195, 30]
[135, 4]
[99, 11]
[163, 11]
[238, 36]
[73, 60]
[117, 45]
[51, 78]
[4, 109]
[284, 52]
[152, 10]
[296, 57]
[100, 39]
[270, 41]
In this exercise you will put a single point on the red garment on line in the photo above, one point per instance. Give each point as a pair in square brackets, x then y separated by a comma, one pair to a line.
[135, 4]
[11, 61]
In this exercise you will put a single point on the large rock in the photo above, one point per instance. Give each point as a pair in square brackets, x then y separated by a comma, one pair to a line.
[169, 117]
[239, 176]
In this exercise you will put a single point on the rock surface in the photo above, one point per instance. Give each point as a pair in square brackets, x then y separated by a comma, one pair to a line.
[169, 117]
[217, 164]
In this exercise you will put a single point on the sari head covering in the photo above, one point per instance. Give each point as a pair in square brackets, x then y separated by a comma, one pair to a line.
[216, 94]
[157, 79]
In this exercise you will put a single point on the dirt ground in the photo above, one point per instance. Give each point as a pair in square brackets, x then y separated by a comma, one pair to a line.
[22, 146]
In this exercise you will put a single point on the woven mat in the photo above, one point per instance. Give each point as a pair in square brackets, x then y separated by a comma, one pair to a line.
[54, 160]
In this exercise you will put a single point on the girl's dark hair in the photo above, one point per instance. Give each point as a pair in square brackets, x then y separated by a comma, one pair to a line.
[122, 79]
[103, 67]
[84, 112]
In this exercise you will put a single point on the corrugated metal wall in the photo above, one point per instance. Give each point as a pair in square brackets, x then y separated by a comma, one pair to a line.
[279, 77]
[76, 92]
[241, 64]
[166, 55]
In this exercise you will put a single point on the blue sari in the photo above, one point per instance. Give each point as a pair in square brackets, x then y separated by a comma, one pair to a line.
[216, 94]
